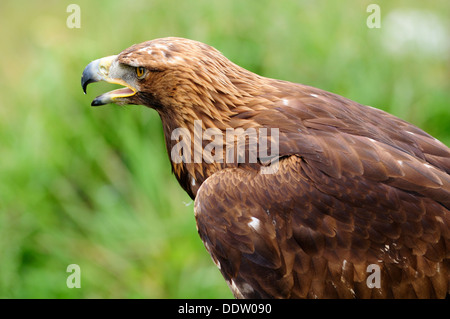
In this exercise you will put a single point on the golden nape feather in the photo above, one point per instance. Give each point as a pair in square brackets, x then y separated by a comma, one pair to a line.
[299, 193]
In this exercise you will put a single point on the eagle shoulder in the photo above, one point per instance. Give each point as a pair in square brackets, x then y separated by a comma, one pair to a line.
[301, 233]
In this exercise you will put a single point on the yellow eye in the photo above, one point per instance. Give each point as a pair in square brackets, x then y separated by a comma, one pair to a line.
[140, 72]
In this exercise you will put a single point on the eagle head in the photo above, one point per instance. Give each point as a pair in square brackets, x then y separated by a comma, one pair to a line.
[162, 73]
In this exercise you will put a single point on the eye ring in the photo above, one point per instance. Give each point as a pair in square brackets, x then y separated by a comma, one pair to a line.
[140, 72]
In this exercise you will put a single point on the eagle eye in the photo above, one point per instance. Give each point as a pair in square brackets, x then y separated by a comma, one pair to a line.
[140, 72]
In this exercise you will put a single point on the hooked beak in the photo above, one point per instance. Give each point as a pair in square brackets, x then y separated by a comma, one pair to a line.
[102, 70]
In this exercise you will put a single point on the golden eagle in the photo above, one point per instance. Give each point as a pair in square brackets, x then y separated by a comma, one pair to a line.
[299, 193]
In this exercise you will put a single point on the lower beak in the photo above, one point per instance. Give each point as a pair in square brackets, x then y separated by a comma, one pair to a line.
[99, 70]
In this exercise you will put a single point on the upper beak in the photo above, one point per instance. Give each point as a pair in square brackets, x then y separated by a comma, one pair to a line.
[99, 70]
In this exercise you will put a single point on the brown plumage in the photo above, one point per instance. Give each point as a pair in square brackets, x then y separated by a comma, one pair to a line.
[351, 186]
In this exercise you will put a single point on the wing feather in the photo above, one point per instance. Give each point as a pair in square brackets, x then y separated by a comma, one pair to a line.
[316, 237]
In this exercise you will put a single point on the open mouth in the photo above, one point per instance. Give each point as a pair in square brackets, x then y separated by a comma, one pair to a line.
[124, 92]
[114, 96]
[100, 70]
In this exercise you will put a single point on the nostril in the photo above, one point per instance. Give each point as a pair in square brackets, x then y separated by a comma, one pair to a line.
[103, 69]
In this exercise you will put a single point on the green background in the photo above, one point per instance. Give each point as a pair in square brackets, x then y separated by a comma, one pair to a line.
[93, 186]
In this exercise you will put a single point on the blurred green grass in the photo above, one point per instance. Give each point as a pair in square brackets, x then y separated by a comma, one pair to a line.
[93, 186]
